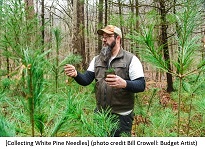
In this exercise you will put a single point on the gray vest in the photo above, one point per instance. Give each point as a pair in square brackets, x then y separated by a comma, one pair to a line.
[119, 100]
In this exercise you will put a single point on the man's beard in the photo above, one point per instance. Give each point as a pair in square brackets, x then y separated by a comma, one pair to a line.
[106, 52]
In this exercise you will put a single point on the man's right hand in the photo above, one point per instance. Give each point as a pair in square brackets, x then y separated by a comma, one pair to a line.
[70, 70]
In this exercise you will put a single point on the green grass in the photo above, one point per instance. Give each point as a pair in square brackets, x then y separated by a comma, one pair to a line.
[69, 112]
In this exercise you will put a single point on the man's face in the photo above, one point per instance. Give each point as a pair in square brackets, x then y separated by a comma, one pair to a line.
[109, 43]
[109, 40]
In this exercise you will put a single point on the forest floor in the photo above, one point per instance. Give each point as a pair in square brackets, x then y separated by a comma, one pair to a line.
[164, 97]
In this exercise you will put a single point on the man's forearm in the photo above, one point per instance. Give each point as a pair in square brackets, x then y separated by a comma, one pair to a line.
[136, 86]
[85, 79]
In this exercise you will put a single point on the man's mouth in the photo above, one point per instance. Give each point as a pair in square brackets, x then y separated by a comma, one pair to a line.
[105, 44]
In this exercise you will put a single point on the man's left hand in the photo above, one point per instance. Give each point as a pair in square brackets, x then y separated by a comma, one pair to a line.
[115, 81]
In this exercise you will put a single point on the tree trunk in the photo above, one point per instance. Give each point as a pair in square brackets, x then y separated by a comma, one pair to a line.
[42, 25]
[120, 15]
[88, 34]
[100, 24]
[137, 14]
[164, 42]
[29, 8]
[106, 12]
[131, 25]
[78, 30]
[137, 24]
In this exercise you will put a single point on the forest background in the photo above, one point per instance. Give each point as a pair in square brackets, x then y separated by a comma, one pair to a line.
[38, 37]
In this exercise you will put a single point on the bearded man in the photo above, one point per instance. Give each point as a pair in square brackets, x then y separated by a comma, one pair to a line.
[114, 91]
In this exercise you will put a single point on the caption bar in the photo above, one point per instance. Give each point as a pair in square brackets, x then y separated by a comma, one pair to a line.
[79, 142]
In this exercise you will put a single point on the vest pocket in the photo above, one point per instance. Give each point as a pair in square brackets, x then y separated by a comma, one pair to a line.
[121, 69]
